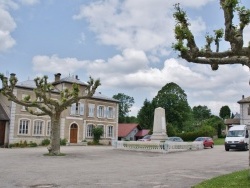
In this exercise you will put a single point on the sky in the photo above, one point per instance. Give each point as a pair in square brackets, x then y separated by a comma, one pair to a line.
[125, 43]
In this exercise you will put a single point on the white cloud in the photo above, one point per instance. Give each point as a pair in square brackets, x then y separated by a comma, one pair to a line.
[55, 64]
[29, 2]
[7, 25]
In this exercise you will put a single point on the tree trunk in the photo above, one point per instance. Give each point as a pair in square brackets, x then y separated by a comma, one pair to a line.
[54, 148]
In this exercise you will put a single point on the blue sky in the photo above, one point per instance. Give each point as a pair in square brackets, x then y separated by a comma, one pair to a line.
[127, 44]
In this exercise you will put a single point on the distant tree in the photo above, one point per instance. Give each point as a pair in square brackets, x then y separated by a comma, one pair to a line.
[225, 112]
[48, 106]
[215, 122]
[126, 102]
[173, 99]
[131, 119]
[201, 112]
[145, 115]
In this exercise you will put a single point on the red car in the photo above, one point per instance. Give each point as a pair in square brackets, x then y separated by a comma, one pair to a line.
[207, 141]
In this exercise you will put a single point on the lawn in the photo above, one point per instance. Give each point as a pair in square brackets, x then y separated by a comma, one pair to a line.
[219, 141]
[233, 180]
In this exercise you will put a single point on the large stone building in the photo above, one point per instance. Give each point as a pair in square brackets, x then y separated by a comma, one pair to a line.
[77, 121]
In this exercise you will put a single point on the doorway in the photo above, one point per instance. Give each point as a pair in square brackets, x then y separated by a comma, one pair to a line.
[73, 133]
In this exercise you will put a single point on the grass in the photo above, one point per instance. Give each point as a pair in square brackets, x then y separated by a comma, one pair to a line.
[233, 180]
[219, 141]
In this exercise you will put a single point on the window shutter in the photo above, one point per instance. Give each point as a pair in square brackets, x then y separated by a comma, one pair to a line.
[98, 111]
[81, 108]
[73, 109]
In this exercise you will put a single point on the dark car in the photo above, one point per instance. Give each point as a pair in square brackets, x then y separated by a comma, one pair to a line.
[175, 139]
[207, 141]
[145, 138]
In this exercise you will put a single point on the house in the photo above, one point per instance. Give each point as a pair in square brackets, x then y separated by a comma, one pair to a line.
[245, 110]
[232, 121]
[77, 121]
[131, 131]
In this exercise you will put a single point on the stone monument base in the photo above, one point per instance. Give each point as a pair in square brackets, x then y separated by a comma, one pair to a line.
[159, 137]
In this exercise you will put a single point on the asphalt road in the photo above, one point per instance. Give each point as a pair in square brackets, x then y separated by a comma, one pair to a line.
[105, 167]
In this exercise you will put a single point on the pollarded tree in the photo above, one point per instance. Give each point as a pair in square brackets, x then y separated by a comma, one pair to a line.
[233, 34]
[48, 106]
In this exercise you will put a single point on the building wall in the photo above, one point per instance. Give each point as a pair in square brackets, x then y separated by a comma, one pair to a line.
[244, 117]
[17, 113]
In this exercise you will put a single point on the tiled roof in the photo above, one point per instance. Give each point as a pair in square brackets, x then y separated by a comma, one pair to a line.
[142, 132]
[235, 121]
[27, 84]
[125, 128]
[3, 115]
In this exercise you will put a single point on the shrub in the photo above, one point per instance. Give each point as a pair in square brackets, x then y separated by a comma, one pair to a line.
[32, 144]
[45, 142]
[63, 142]
[97, 133]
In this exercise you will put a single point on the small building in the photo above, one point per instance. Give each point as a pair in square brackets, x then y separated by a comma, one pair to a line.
[232, 121]
[131, 131]
[77, 121]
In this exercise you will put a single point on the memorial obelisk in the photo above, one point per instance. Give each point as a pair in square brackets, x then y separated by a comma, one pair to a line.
[159, 127]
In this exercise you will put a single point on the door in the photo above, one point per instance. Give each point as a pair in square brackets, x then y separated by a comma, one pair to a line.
[2, 132]
[73, 133]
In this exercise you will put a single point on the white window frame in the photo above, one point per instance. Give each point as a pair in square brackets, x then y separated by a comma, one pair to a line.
[77, 109]
[110, 112]
[89, 129]
[101, 111]
[91, 110]
[38, 126]
[48, 128]
[24, 127]
[110, 131]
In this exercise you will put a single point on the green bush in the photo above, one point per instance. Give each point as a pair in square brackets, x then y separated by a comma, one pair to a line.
[97, 133]
[32, 144]
[63, 142]
[45, 142]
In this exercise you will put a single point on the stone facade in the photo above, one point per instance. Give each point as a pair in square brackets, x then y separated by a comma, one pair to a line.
[77, 120]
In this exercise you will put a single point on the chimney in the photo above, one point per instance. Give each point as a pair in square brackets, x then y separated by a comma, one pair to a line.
[77, 77]
[57, 77]
[12, 75]
[243, 96]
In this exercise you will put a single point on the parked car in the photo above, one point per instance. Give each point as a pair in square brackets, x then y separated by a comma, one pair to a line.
[175, 139]
[207, 141]
[145, 138]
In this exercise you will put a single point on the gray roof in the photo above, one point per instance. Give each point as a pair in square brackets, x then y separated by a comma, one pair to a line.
[71, 79]
[244, 100]
[27, 84]
[98, 95]
[3, 115]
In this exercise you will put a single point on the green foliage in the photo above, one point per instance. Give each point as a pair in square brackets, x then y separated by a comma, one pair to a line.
[171, 130]
[97, 133]
[225, 112]
[174, 100]
[32, 144]
[191, 136]
[146, 115]
[45, 142]
[201, 113]
[63, 142]
[126, 102]
[23, 144]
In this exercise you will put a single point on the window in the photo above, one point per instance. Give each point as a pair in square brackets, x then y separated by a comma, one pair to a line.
[24, 126]
[100, 111]
[38, 127]
[248, 110]
[89, 130]
[48, 131]
[23, 107]
[110, 131]
[91, 110]
[77, 109]
[111, 112]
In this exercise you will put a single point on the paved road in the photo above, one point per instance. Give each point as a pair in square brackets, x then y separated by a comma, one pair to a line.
[104, 167]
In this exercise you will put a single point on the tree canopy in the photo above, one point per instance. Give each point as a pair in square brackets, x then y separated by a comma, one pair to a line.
[225, 112]
[145, 115]
[173, 99]
[126, 102]
[201, 112]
